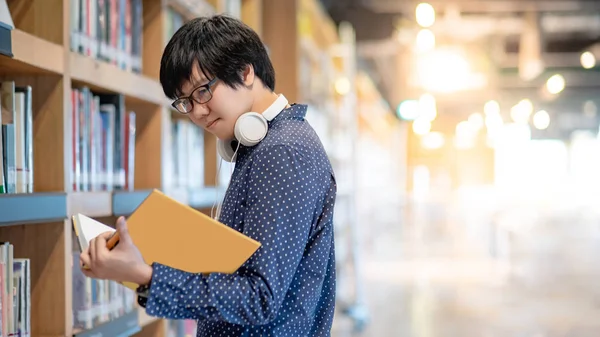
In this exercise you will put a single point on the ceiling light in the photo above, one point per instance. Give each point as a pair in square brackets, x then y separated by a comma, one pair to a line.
[491, 108]
[588, 60]
[408, 110]
[520, 112]
[427, 107]
[425, 40]
[425, 15]
[476, 120]
[541, 120]
[555, 84]
[421, 126]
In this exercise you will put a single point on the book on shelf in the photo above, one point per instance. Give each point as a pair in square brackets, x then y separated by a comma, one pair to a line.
[180, 11]
[174, 234]
[16, 143]
[174, 21]
[6, 20]
[104, 132]
[15, 294]
[108, 30]
[97, 301]
[234, 8]
[192, 8]
[186, 169]
[183, 327]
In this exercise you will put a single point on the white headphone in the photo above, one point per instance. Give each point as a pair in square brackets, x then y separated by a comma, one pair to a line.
[250, 128]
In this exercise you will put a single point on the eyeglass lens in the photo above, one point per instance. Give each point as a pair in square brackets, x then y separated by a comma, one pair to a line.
[201, 95]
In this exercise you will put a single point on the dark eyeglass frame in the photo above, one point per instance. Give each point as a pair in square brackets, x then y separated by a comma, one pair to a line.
[190, 97]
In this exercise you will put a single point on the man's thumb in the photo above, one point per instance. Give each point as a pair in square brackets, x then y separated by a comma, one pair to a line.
[122, 230]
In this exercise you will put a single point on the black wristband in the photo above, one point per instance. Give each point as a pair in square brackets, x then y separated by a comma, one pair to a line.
[143, 292]
[141, 301]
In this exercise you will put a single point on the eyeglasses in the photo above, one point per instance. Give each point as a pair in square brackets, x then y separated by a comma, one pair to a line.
[200, 95]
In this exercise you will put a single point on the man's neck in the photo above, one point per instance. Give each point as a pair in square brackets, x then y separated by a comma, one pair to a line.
[264, 99]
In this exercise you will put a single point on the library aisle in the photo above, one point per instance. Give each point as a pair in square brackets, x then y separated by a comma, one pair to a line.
[428, 277]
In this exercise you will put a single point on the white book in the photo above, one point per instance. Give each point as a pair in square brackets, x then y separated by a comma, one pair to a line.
[27, 136]
[87, 228]
[21, 177]
[8, 130]
[74, 25]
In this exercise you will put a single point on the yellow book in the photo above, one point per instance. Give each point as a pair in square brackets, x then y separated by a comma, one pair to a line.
[177, 235]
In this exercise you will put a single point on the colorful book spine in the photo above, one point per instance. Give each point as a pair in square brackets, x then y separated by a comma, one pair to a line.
[103, 151]
[108, 30]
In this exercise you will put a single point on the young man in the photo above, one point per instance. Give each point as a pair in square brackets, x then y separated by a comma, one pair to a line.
[281, 194]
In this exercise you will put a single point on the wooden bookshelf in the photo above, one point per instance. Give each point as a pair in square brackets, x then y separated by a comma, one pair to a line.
[145, 320]
[38, 223]
[127, 325]
[93, 204]
[28, 60]
[101, 76]
[41, 207]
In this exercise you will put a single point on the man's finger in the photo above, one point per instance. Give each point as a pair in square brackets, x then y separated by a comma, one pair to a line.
[123, 230]
[84, 259]
[105, 236]
[88, 272]
[100, 245]
[92, 251]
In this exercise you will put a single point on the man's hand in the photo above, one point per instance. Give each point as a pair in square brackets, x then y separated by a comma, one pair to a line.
[124, 263]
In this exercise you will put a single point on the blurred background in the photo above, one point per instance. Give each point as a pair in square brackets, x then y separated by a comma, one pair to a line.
[464, 136]
[475, 168]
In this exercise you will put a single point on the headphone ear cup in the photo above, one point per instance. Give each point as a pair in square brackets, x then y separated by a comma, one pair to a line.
[226, 150]
[250, 128]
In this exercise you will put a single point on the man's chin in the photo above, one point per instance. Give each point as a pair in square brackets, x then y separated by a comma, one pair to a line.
[224, 136]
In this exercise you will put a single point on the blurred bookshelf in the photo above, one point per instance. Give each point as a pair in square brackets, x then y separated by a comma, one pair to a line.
[87, 129]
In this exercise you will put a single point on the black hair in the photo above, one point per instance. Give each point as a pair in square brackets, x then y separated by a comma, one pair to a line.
[222, 46]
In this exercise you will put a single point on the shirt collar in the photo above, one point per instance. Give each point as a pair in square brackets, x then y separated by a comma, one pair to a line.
[295, 112]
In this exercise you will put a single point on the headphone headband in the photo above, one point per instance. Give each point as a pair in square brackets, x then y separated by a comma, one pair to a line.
[274, 109]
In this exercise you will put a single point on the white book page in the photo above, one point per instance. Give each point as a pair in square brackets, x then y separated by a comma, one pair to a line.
[88, 229]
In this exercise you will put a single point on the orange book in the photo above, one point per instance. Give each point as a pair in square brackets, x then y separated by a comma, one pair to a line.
[177, 235]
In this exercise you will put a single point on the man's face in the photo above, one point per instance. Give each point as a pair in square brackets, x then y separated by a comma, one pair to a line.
[219, 114]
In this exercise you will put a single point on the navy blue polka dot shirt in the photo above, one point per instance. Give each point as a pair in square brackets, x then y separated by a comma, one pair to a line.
[282, 194]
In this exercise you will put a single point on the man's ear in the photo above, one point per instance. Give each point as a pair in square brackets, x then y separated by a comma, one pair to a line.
[248, 75]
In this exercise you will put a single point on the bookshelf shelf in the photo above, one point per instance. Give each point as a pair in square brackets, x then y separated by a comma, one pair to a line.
[104, 77]
[180, 194]
[123, 326]
[204, 198]
[28, 208]
[144, 319]
[124, 203]
[28, 56]
[94, 204]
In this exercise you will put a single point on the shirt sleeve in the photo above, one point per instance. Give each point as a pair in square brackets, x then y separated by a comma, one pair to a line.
[282, 193]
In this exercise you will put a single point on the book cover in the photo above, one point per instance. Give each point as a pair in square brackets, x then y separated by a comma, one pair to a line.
[177, 235]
